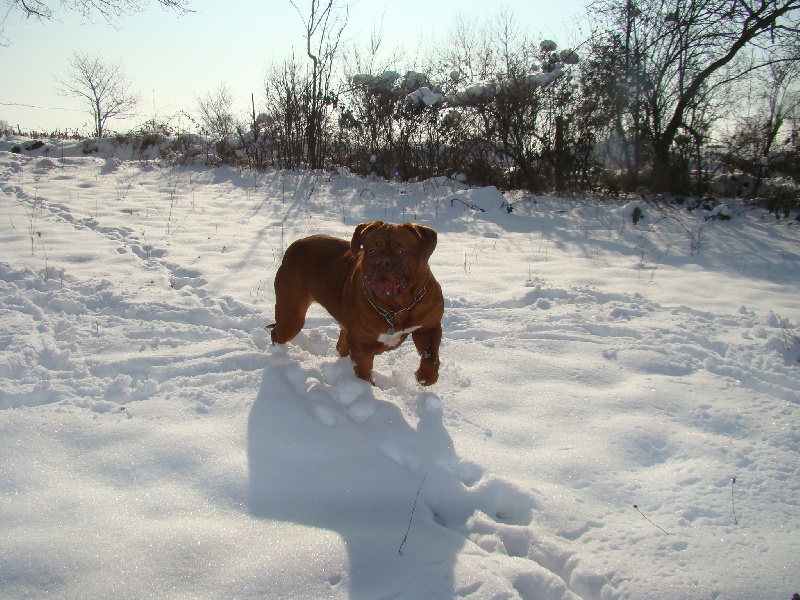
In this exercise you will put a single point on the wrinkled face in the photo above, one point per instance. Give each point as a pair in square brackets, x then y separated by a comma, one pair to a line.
[392, 256]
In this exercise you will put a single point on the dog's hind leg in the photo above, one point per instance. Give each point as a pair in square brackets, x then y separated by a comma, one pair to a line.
[290, 316]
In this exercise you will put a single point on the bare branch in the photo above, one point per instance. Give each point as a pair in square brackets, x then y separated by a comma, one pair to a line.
[110, 10]
[103, 88]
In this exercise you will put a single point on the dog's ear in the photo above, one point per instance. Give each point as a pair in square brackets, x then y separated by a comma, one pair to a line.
[427, 237]
[355, 243]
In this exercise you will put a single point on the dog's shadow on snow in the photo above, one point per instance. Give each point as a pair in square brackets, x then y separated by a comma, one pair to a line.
[324, 452]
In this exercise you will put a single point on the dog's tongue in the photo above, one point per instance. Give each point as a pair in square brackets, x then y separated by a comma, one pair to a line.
[385, 288]
[385, 284]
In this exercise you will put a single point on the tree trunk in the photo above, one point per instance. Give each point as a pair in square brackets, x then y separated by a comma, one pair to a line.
[560, 167]
[662, 171]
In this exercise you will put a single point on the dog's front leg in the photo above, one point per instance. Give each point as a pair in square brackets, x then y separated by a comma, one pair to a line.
[341, 345]
[427, 343]
[362, 363]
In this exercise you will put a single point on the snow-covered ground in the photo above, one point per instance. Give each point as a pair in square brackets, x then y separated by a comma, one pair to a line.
[616, 416]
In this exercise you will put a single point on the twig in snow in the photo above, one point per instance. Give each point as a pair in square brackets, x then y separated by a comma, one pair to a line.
[651, 522]
[733, 506]
[788, 335]
[465, 203]
[411, 518]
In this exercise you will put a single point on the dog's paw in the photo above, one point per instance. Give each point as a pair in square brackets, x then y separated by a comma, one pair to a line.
[428, 372]
[427, 380]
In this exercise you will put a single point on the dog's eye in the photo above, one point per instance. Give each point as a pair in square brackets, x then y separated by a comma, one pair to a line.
[401, 252]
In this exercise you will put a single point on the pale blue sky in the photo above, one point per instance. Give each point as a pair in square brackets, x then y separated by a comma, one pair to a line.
[171, 60]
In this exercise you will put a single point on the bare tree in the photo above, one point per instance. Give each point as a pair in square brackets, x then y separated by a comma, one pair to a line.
[323, 28]
[215, 113]
[679, 54]
[103, 87]
[469, 49]
[284, 90]
[368, 105]
[519, 116]
[615, 80]
[774, 105]
[780, 101]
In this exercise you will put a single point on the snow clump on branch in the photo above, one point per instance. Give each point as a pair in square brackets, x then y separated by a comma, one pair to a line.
[481, 91]
[416, 88]
[378, 84]
[424, 95]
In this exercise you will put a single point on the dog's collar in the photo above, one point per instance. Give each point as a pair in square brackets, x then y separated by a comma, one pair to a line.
[389, 315]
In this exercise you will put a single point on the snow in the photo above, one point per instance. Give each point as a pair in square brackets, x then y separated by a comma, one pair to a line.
[569, 56]
[616, 414]
[547, 77]
[483, 91]
[547, 46]
[377, 83]
[424, 95]
[472, 93]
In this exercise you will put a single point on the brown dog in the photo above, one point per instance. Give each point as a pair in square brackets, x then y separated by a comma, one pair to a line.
[378, 287]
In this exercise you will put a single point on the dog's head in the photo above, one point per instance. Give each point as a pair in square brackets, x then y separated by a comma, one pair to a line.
[394, 256]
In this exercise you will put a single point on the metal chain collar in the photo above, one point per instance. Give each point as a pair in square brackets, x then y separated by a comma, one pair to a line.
[389, 315]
